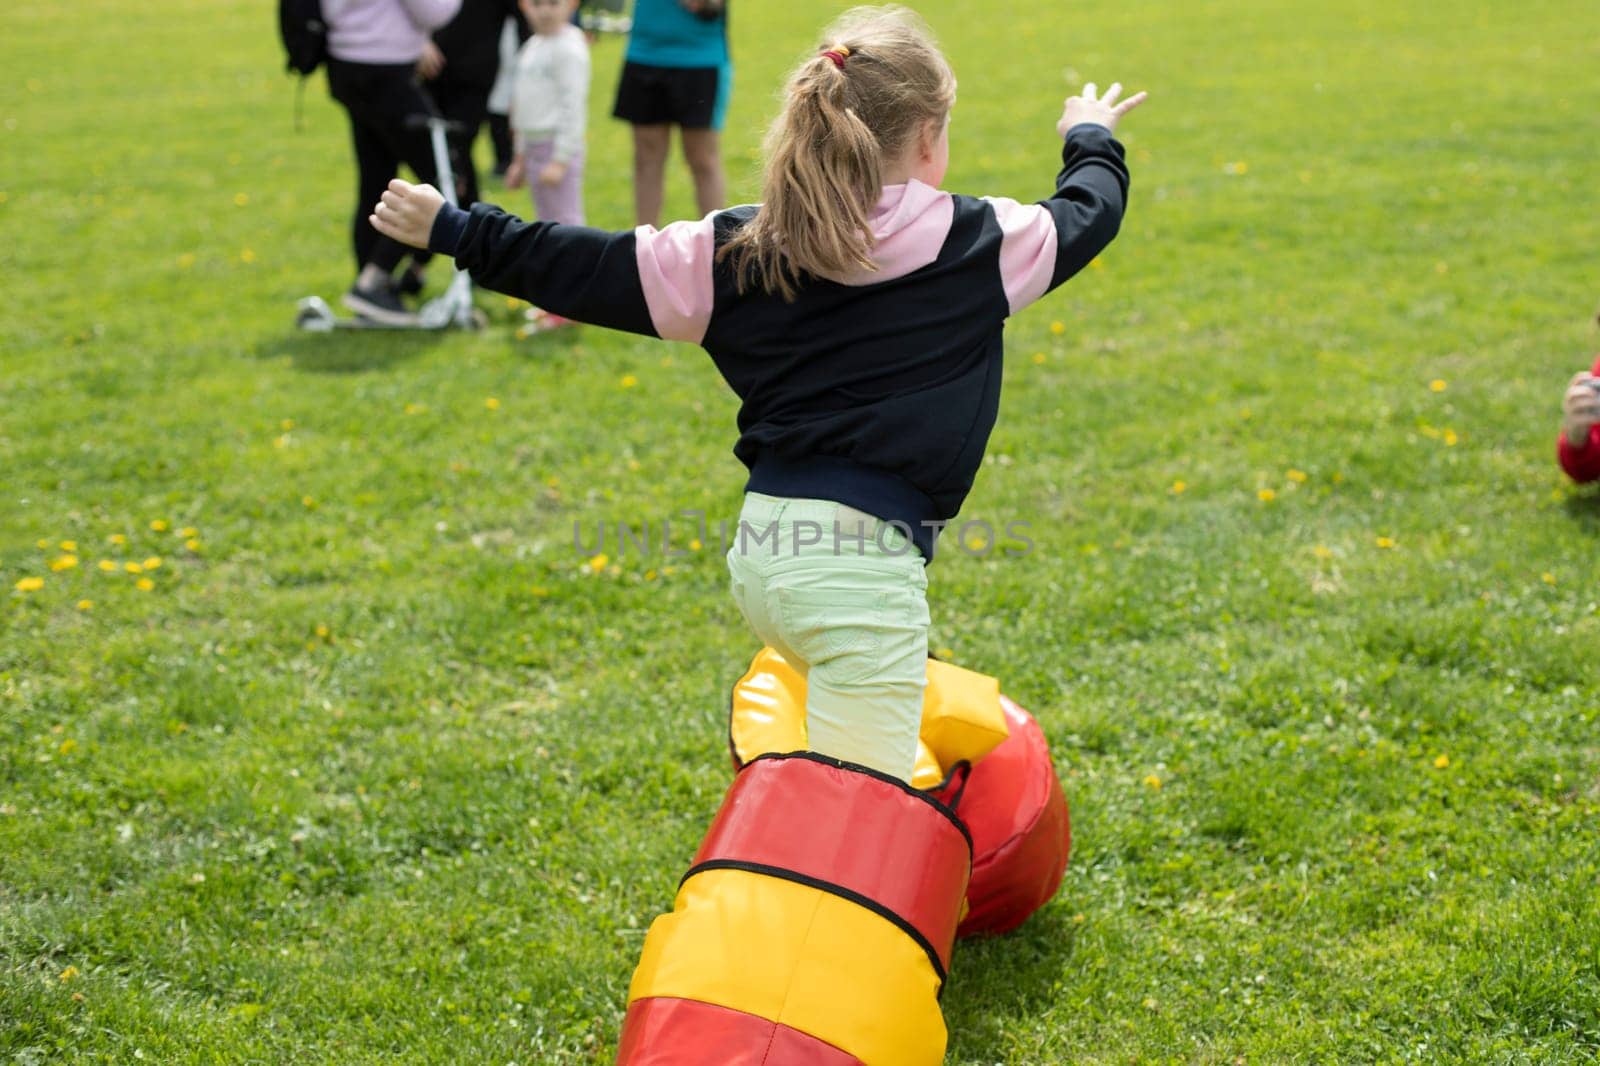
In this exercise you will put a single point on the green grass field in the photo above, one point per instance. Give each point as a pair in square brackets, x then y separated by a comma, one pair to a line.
[374, 766]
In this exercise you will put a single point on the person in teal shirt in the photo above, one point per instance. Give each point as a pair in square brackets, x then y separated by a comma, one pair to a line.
[677, 72]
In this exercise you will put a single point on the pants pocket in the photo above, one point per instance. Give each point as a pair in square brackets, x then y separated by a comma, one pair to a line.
[834, 627]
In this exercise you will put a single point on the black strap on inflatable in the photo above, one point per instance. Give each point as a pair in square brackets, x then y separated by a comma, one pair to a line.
[964, 768]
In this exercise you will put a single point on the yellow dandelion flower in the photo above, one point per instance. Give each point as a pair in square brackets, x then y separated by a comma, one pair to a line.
[241, 198]
[1548, 578]
[85, 605]
[188, 531]
[159, 525]
[492, 404]
[1239, 167]
[1179, 488]
[69, 546]
[1385, 542]
[1038, 358]
[281, 442]
[695, 545]
[1297, 476]
[1266, 495]
[649, 575]
[945, 653]
[1322, 551]
[1096, 264]
[1438, 384]
[43, 543]
[323, 630]
[69, 973]
[117, 538]
[1058, 328]
[192, 544]
[107, 565]
[629, 381]
[634, 464]
[286, 425]
[66, 562]
[153, 563]
[308, 502]
[68, 746]
[30, 584]
[1153, 782]
[133, 568]
[247, 256]
[598, 563]
[1441, 762]
[1338, 478]
[1450, 438]
[144, 584]
[415, 408]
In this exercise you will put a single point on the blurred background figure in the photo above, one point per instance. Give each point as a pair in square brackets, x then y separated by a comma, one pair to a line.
[677, 72]
[374, 47]
[1579, 446]
[512, 34]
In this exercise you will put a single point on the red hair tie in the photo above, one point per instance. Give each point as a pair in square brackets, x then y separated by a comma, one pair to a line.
[838, 53]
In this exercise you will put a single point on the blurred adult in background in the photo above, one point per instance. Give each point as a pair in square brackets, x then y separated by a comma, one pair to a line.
[677, 72]
[374, 47]
[460, 66]
[500, 96]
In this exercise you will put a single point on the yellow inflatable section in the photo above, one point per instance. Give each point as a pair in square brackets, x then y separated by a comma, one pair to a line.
[961, 716]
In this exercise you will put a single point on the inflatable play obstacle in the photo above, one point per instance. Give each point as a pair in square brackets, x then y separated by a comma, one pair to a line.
[816, 922]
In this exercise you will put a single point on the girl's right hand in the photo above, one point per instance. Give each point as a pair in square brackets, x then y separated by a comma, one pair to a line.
[515, 173]
[1101, 110]
[1581, 410]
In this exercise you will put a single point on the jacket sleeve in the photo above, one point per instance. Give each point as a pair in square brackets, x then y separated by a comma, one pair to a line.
[578, 272]
[1581, 464]
[1045, 243]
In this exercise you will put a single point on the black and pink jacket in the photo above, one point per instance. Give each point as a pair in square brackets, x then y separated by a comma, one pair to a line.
[877, 390]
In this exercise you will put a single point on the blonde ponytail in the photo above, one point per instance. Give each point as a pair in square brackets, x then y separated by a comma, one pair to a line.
[859, 102]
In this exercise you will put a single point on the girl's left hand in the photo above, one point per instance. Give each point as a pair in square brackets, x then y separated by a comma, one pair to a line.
[1101, 110]
[406, 212]
[552, 173]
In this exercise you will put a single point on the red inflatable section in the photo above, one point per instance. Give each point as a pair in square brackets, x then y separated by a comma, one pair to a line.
[653, 1035]
[1021, 834]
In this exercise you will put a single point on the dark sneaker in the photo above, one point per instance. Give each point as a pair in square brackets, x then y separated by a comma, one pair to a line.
[411, 282]
[380, 304]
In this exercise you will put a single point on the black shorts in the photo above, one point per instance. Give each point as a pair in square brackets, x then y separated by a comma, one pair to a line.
[691, 97]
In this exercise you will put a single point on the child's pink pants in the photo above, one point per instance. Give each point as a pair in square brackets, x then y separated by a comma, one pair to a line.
[563, 201]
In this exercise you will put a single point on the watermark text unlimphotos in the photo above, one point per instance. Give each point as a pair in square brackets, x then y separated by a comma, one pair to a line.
[689, 531]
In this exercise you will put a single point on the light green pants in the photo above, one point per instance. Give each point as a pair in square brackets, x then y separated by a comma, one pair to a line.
[844, 599]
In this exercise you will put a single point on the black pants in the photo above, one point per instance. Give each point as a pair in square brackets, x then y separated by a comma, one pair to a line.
[381, 100]
[500, 133]
[466, 103]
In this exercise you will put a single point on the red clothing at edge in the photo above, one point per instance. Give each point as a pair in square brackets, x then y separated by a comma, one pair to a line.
[1582, 464]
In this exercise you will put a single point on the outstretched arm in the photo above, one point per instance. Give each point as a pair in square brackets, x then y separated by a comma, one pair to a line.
[1046, 243]
[577, 272]
[649, 281]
